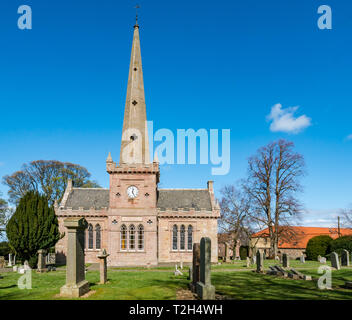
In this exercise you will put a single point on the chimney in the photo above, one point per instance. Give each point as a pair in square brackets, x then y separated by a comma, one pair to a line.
[211, 186]
[69, 185]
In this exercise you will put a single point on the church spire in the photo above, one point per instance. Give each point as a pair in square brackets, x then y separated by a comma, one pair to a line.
[135, 144]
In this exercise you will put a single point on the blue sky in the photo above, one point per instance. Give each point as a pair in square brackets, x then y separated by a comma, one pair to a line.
[207, 64]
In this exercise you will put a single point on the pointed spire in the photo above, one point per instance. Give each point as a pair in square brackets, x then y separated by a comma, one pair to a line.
[135, 144]
[109, 158]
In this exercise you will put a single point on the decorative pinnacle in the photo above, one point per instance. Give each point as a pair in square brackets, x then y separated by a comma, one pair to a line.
[109, 159]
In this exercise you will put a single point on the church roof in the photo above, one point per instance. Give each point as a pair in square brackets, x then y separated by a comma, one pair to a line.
[88, 198]
[184, 198]
[98, 198]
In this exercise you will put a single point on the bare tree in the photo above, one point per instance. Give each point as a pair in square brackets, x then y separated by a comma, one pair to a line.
[47, 176]
[347, 217]
[5, 214]
[273, 183]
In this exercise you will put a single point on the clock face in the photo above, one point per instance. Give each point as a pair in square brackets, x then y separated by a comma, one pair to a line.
[132, 192]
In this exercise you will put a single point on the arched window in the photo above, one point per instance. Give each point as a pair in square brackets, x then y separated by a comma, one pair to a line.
[97, 237]
[182, 237]
[140, 237]
[132, 237]
[90, 236]
[190, 237]
[123, 238]
[174, 237]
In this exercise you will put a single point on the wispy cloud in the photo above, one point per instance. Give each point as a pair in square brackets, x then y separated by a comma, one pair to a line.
[283, 120]
[320, 218]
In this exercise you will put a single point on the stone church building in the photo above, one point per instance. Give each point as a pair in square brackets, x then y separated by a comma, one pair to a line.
[135, 221]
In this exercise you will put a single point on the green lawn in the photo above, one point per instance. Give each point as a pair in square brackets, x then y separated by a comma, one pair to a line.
[161, 284]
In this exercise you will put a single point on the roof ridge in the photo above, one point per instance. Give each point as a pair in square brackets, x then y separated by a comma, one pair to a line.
[90, 188]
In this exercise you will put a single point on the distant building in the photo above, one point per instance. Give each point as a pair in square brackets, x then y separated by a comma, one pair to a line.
[226, 245]
[294, 240]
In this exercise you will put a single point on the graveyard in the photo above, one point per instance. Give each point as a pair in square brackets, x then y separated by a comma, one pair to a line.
[232, 280]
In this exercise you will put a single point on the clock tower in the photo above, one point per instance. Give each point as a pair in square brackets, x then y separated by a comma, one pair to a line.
[133, 182]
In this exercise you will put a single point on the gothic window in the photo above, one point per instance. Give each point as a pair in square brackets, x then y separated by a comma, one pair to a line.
[123, 238]
[190, 237]
[132, 236]
[182, 237]
[140, 237]
[97, 237]
[90, 236]
[174, 237]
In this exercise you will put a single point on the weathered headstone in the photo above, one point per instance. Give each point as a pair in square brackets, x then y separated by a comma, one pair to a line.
[41, 261]
[103, 266]
[345, 258]
[277, 258]
[2, 262]
[335, 263]
[195, 266]
[190, 274]
[285, 260]
[302, 258]
[322, 260]
[177, 272]
[319, 258]
[254, 259]
[205, 290]
[76, 285]
[259, 261]
[248, 262]
[301, 275]
[10, 260]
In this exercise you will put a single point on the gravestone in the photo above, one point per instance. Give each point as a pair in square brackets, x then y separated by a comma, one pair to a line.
[195, 266]
[319, 258]
[205, 290]
[181, 265]
[76, 284]
[10, 260]
[248, 262]
[41, 261]
[302, 259]
[103, 266]
[254, 259]
[190, 274]
[177, 272]
[2, 262]
[335, 263]
[259, 259]
[285, 260]
[345, 258]
[322, 260]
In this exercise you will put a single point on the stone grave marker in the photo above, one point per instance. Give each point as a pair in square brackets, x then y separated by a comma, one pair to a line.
[259, 260]
[248, 262]
[195, 267]
[345, 258]
[76, 284]
[302, 259]
[10, 260]
[335, 263]
[103, 266]
[41, 261]
[205, 290]
[285, 260]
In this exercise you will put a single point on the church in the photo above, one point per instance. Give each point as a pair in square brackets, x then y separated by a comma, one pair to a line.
[136, 222]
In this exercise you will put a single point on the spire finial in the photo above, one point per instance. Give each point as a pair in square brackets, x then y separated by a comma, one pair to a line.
[137, 7]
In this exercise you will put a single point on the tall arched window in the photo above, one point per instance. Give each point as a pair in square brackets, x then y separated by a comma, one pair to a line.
[123, 238]
[140, 237]
[90, 236]
[174, 237]
[190, 237]
[97, 237]
[132, 237]
[182, 237]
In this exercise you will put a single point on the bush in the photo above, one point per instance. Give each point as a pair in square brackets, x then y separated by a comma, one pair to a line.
[318, 246]
[244, 250]
[341, 243]
[4, 249]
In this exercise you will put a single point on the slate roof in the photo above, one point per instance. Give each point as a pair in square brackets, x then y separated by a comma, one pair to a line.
[183, 198]
[168, 198]
[87, 198]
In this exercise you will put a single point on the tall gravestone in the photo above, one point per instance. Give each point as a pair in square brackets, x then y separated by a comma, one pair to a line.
[335, 263]
[205, 290]
[76, 285]
[195, 266]
[259, 258]
[41, 261]
[285, 260]
[103, 266]
[302, 258]
[10, 260]
[345, 258]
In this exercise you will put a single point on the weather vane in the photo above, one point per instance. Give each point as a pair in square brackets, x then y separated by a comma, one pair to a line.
[137, 7]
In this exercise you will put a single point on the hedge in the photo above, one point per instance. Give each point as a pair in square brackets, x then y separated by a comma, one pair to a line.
[318, 246]
[341, 243]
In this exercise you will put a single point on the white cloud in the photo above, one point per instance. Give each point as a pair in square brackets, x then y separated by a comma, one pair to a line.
[283, 120]
[320, 218]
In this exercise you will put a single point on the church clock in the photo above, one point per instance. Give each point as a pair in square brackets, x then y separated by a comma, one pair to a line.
[132, 192]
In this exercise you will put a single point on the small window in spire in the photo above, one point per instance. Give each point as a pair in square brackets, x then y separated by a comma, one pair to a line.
[134, 102]
[135, 69]
[133, 137]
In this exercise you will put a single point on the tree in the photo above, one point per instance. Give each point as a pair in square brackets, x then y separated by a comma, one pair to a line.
[33, 226]
[272, 185]
[47, 176]
[234, 209]
[347, 217]
[5, 213]
[318, 246]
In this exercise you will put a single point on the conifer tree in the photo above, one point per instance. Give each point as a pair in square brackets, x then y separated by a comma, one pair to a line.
[33, 226]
